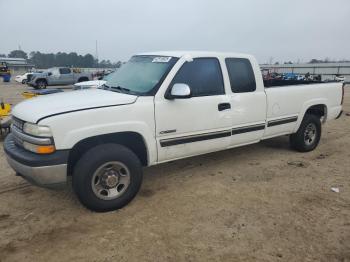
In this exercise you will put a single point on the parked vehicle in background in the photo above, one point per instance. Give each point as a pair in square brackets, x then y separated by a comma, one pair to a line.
[339, 78]
[22, 78]
[92, 83]
[57, 76]
[300, 78]
[268, 75]
[156, 108]
[290, 76]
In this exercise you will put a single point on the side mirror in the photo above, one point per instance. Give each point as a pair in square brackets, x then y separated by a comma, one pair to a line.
[179, 91]
[49, 74]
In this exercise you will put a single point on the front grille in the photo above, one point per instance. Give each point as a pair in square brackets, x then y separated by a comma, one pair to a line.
[18, 123]
[18, 141]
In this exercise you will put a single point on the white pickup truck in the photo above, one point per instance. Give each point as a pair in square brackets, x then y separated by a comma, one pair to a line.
[156, 108]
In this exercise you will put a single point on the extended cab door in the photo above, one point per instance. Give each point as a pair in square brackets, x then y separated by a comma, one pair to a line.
[53, 76]
[248, 100]
[66, 76]
[195, 125]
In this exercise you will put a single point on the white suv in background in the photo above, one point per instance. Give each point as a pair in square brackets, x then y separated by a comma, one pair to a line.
[22, 78]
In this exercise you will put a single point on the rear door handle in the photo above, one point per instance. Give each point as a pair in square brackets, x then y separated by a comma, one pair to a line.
[224, 106]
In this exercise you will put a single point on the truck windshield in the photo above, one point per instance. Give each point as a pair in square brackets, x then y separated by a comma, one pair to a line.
[141, 75]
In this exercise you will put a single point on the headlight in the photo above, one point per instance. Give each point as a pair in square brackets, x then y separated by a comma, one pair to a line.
[36, 130]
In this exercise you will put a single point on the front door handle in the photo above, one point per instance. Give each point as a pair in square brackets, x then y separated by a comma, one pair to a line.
[224, 106]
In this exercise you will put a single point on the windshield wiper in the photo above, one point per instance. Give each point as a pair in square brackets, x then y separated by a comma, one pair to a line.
[105, 87]
[120, 89]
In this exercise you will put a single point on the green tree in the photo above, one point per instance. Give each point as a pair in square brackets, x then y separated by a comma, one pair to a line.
[18, 54]
[41, 60]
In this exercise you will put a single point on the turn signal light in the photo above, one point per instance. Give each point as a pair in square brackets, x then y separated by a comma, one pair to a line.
[45, 149]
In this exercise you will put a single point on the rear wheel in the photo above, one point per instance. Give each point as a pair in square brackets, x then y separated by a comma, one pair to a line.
[308, 135]
[107, 177]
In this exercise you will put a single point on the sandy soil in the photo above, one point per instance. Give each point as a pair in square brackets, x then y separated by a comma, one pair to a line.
[263, 202]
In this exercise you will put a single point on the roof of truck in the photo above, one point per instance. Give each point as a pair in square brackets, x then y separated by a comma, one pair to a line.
[196, 54]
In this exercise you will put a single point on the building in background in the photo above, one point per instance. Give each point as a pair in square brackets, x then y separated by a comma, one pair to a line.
[17, 65]
[328, 71]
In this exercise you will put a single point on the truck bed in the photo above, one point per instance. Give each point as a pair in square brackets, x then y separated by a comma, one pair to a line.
[280, 82]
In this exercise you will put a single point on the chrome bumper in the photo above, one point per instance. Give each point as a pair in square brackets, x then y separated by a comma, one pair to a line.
[45, 176]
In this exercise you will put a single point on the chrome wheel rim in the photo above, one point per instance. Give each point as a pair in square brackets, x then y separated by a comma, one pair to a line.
[110, 180]
[310, 134]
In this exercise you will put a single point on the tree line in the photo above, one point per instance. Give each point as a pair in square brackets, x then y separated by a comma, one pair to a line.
[72, 59]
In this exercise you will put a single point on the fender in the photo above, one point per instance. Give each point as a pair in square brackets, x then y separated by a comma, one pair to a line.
[69, 129]
[307, 105]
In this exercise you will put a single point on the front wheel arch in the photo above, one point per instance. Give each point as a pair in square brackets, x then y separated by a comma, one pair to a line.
[43, 80]
[132, 140]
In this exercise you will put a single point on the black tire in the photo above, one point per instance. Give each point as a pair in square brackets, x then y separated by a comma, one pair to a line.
[24, 81]
[41, 84]
[91, 162]
[302, 141]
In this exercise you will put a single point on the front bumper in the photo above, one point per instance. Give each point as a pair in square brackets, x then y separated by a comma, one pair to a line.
[42, 170]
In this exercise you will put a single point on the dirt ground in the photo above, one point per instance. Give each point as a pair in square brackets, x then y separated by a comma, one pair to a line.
[262, 202]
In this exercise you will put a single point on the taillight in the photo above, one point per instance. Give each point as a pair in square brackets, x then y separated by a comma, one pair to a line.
[342, 94]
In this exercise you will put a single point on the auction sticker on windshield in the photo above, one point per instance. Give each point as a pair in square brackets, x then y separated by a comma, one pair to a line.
[161, 59]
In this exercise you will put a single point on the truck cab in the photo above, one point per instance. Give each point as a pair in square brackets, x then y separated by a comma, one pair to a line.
[156, 108]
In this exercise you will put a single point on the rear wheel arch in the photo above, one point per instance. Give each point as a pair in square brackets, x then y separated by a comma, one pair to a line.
[132, 140]
[319, 110]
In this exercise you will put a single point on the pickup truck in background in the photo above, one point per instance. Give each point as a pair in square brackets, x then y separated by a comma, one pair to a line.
[159, 107]
[57, 76]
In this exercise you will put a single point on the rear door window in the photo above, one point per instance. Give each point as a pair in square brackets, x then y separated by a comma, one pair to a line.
[203, 75]
[64, 71]
[241, 74]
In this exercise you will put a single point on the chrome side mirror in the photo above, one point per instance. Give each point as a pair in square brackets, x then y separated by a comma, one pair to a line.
[180, 91]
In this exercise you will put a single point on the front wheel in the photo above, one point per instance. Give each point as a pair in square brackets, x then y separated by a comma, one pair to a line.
[107, 177]
[41, 84]
[308, 135]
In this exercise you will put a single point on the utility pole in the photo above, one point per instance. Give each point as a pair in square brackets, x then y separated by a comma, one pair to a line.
[96, 53]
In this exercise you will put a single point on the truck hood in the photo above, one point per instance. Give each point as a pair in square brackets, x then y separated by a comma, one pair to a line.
[32, 110]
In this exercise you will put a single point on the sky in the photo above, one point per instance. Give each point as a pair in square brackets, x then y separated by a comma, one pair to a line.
[272, 30]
